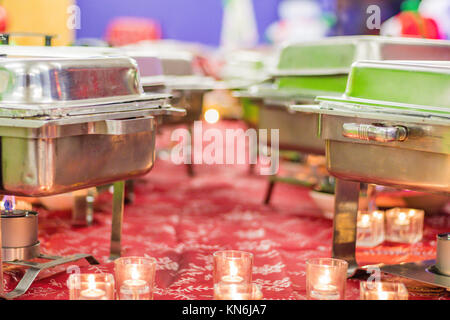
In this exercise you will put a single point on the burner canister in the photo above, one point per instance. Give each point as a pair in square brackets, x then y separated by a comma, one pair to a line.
[19, 235]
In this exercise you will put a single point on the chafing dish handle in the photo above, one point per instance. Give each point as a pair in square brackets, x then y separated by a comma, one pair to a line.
[374, 133]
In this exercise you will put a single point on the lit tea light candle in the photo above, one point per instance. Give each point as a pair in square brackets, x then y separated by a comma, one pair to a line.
[324, 290]
[134, 288]
[92, 292]
[233, 275]
[91, 286]
[370, 228]
[226, 291]
[404, 225]
[383, 291]
[135, 277]
[326, 279]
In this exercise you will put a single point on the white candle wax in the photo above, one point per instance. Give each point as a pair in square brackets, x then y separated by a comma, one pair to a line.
[92, 292]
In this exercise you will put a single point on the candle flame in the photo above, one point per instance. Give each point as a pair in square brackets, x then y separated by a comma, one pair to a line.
[402, 216]
[9, 203]
[382, 295]
[91, 282]
[233, 269]
[325, 277]
[135, 273]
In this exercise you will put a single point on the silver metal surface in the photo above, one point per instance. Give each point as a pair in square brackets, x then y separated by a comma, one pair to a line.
[83, 207]
[34, 268]
[43, 85]
[42, 167]
[344, 223]
[374, 133]
[19, 229]
[21, 253]
[117, 220]
[297, 131]
[443, 254]
[422, 271]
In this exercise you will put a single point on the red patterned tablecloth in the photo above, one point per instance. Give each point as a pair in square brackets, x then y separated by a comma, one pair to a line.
[181, 221]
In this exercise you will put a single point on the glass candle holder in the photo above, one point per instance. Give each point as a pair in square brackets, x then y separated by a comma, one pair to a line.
[256, 292]
[382, 291]
[370, 228]
[135, 278]
[404, 225]
[91, 286]
[232, 275]
[326, 279]
[237, 292]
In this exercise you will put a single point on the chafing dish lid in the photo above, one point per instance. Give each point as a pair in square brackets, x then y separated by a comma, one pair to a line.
[407, 88]
[56, 87]
[335, 55]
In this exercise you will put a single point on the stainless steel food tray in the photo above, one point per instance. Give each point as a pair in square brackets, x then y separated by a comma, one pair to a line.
[68, 124]
[61, 86]
[310, 69]
[391, 127]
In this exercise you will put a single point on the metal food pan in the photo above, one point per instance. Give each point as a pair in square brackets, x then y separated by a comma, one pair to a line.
[421, 162]
[297, 131]
[391, 127]
[52, 159]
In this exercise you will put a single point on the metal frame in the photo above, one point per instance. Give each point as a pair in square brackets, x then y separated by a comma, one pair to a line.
[344, 240]
[34, 268]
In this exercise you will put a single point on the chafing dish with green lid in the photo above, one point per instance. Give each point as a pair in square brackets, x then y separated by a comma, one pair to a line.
[391, 127]
[308, 69]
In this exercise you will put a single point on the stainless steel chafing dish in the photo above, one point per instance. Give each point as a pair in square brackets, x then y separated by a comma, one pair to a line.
[308, 69]
[178, 77]
[391, 127]
[68, 124]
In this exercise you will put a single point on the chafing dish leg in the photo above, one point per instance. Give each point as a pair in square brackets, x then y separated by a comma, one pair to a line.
[269, 191]
[129, 191]
[344, 223]
[190, 164]
[83, 207]
[117, 218]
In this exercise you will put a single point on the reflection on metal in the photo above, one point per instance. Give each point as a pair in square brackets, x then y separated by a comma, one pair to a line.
[423, 271]
[34, 268]
[117, 219]
[344, 225]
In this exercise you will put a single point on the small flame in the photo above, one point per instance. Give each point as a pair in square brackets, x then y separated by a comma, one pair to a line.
[233, 269]
[325, 277]
[9, 203]
[91, 282]
[134, 273]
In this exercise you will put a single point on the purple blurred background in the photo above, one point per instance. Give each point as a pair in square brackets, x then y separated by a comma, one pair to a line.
[201, 20]
[190, 20]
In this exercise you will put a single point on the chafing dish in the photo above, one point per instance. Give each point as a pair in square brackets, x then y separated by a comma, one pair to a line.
[178, 77]
[308, 69]
[69, 124]
[391, 127]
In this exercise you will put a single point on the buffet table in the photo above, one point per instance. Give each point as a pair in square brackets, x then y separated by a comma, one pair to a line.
[182, 221]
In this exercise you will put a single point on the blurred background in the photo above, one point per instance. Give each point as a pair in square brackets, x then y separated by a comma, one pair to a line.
[215, 22]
